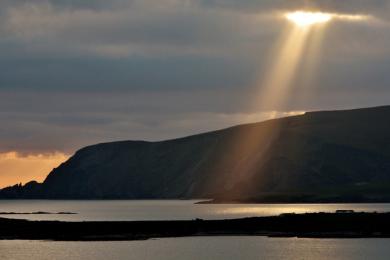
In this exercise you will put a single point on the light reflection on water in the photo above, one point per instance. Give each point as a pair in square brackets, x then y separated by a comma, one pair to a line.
[116, 210]
[245, 210]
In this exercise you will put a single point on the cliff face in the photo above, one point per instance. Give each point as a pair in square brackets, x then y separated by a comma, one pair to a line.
[319, 156]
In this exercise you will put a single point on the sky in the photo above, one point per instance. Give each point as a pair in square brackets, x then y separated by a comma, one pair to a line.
[75, 73]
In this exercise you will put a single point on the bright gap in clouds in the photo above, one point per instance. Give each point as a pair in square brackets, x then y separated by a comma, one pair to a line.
[302, 18]
[308, 18]
[300, 45]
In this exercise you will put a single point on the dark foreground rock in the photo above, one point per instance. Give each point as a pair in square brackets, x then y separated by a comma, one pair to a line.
[314, 225]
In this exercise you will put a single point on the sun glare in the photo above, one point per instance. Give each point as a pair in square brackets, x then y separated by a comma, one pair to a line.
[304, 19]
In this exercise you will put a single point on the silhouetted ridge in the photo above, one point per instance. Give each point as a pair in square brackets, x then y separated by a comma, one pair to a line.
[327, 156]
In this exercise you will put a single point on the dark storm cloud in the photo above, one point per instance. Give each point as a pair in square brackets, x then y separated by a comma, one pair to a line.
[74, 73]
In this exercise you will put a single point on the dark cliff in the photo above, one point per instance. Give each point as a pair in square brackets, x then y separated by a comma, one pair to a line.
[326, 156]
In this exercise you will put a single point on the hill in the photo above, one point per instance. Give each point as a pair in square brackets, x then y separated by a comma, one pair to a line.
[328, 156]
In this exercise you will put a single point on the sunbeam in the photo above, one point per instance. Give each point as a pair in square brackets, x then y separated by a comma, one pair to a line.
[296, 56]
[275, 86]
[300, 47]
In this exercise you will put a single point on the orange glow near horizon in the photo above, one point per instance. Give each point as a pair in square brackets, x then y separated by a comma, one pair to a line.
[16, 168]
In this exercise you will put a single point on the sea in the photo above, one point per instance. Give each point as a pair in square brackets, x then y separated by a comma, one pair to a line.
[220, 247]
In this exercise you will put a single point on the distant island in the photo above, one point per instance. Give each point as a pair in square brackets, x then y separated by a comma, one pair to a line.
[326, 156]
[37, 213]
[311, 225]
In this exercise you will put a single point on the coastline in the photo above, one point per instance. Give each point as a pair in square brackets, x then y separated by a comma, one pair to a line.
[309, 225]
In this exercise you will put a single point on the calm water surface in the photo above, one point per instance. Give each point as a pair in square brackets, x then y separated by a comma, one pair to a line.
[116, 210]
[200, 248]
[240, 247]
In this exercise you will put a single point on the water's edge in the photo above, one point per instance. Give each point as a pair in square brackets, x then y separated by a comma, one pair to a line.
[310, 225]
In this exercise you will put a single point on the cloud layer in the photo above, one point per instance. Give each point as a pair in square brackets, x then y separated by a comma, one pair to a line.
[74, 73]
